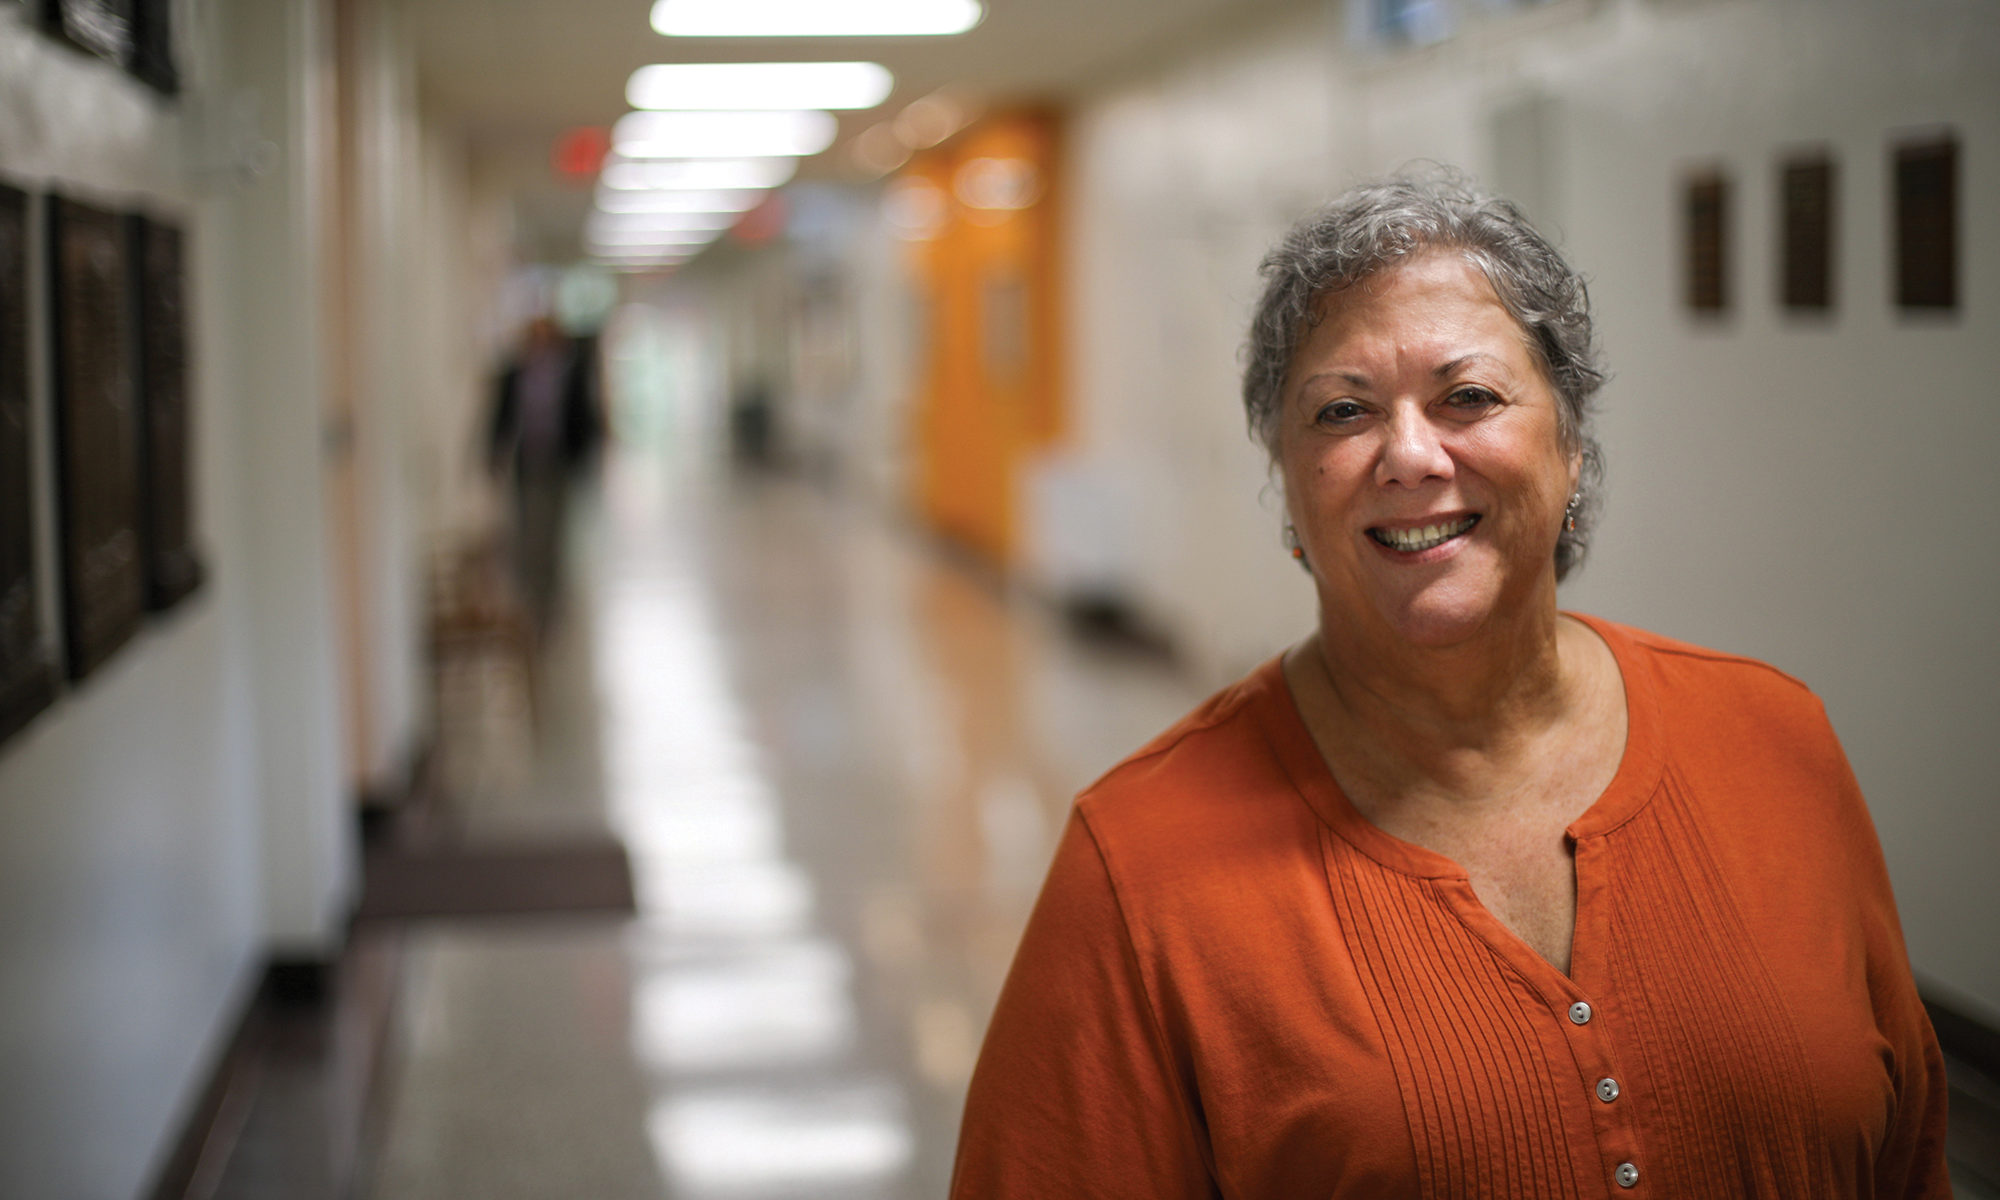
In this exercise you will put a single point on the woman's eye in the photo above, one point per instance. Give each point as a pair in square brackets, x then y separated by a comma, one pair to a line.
[1340, 412]
[1473, 399]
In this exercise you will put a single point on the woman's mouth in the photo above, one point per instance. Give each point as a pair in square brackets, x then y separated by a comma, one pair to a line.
[1423, 537]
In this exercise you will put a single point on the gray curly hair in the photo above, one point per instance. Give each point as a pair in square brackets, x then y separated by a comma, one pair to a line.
[1375, 226]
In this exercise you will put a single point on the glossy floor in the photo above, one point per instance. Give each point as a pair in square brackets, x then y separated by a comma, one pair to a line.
[839, 763]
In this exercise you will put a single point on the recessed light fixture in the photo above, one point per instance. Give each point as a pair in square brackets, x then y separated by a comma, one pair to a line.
[793, 85]
[997, 184]
[723, 134]
[877, 150]
[814, 18]
[928, 120]
[707, 174]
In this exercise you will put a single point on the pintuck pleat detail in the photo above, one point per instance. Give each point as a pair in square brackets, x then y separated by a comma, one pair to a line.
[1478, 1088]
[1705, 1050]
[1726, 1069]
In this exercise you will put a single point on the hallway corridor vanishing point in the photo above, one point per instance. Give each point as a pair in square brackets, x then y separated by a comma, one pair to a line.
[839, 764]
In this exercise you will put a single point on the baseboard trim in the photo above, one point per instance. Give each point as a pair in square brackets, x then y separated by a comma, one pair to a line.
[385, 808]
[1972, 1066]
[296, 999]
[209, 1130]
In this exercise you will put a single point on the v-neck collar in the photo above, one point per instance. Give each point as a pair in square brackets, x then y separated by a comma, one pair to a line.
[1631, 787]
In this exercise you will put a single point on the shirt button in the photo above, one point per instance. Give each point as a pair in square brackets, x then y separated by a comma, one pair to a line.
[1607, 1089]
[1627, 1175]
[1579, 1013]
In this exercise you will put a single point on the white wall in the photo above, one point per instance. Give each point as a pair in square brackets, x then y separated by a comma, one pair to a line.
[458, 257]
[273, 231]
[1814, 494]
[180, 812]
[392, 335]
[1177, 184]
[880, 445]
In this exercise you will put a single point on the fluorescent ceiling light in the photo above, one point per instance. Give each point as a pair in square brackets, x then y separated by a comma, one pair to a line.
[683, 202]
[627, 266]
[615, 229]
[600, 254]
[699, 173]
[616, 254]
[648, 260]
[623, 235]
[663, 221]
[739, 86]
[723, 134]
[661, 238]
[814, 18]
[666, 220]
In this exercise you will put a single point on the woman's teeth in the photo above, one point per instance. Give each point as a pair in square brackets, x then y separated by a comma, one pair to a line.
[1413, 540]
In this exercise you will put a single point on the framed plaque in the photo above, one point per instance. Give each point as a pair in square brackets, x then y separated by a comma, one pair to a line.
[165, 527]
[1926, 182]
[153, 45]
[97, 433]
[1806, 216]
[27, 668]
[103, 27]
[1707, 216]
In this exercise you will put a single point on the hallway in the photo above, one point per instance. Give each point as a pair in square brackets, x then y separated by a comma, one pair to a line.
[305, 304]
[839, 763]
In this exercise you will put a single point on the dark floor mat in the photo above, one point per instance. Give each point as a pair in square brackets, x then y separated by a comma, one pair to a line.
[455, 881]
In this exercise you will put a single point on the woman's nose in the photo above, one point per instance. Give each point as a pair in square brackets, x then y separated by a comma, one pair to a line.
[1413, 453]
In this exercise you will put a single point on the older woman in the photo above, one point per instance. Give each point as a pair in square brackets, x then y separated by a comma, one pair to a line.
[1462, 895]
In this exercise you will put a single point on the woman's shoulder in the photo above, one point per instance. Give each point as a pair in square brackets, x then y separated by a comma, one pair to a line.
[1722, 717]
[1201, 834]
[1202, 779]
[1222, 733]
[1707, 681]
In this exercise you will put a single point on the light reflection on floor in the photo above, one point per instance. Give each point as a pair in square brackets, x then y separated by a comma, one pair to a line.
[839, 766]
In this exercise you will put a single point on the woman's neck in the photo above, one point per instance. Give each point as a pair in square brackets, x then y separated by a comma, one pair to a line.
[1395, 717]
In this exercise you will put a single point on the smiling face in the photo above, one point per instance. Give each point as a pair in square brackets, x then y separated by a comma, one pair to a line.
[1424, 467]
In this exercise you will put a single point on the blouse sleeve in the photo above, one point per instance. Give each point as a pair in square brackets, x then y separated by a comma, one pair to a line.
[1910, 1163]
[1073, 1094]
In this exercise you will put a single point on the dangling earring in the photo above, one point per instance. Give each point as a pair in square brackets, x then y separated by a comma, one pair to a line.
[1569, 512]
[1298, 550]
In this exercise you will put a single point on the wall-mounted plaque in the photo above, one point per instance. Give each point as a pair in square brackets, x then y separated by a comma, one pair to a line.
[27, 671]
[153, 45]
[1805, 199]
[103, 27]
[1926, 181]
[97, 432]
[1707, 217]
[166, 531]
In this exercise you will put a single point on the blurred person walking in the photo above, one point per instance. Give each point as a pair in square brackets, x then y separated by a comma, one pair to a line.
[545, 429]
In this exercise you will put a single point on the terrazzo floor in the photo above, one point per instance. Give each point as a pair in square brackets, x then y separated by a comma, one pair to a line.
[839, 763]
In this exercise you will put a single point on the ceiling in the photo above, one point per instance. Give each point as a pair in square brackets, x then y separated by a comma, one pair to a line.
[511, 75]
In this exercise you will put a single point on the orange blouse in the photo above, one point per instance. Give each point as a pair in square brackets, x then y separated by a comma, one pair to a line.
[1234, 985]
